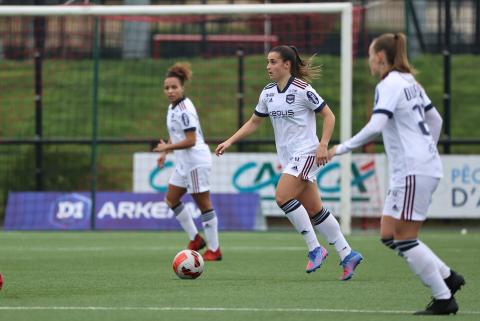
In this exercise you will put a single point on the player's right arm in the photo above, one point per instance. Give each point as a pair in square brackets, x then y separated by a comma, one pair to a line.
[163, 155]
[249, 127]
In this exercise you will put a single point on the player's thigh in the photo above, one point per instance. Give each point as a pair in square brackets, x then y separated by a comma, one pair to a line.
[310, 199]
[174, 194]
[288, 187]
[203, 201]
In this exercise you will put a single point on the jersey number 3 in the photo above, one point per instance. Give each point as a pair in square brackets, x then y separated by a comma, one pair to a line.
[421, 123]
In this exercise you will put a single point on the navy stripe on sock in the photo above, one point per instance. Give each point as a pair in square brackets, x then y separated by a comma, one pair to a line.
[208, 215]
[389, 243]
[178, 208]
[290, 206]
[406, 245]
[320, 216]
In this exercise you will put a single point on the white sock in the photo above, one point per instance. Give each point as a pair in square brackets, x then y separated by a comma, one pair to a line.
[184, 217]
[298, 216]
[423, 263]
[328, 226]
[442, 267]
[210, 227]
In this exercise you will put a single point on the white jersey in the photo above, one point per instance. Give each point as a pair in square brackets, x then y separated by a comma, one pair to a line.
[182, 117]
[410, 147]
[292, 112]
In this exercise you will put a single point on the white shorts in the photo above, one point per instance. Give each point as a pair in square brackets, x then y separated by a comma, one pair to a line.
[196, 181]
[410, 201]
[304, 167]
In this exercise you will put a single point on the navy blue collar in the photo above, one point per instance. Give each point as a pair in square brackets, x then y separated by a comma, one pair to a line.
[292, 78]
[175, 104]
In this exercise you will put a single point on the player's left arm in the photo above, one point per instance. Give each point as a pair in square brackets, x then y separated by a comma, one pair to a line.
[434, 122]
[189, 141]
[327, 131]
[373, 128]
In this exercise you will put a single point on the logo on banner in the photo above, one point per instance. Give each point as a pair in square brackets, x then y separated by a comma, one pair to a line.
[155, 173]
[71, 209]
[264, 175]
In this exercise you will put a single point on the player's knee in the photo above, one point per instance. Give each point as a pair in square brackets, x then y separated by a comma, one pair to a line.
[171, 203]
[281, 199]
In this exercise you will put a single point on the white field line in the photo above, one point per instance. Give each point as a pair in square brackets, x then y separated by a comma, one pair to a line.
[207, 309]
[139, 248]
[44, 249]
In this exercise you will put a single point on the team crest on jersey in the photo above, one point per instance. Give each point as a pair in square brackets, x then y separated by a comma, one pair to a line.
[290, 99]
[312, 97]
[185, 120]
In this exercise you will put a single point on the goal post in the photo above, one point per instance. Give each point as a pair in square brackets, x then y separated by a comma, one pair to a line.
[344, 9]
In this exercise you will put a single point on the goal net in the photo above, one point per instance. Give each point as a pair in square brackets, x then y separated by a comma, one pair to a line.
[82, 86]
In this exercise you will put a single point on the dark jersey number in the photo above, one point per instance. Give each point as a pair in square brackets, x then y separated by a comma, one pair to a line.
[421, 124]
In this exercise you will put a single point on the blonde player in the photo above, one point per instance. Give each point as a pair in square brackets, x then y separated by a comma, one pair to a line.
[291, 103]
[193, 163]
[410, 126]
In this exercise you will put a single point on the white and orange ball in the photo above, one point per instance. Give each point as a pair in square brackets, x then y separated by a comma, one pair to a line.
[188, 264]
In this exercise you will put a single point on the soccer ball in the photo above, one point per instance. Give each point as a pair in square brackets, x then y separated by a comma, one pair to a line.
[188, 264]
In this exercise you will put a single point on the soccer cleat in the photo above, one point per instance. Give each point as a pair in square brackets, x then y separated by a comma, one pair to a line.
[454, 282]
[440, 307]
[349, 264]
[197, 244]
[315, 258]
[210, 255]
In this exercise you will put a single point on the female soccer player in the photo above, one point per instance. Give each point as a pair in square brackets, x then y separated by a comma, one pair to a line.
[194, 163]
[411, 126]
[291, 103]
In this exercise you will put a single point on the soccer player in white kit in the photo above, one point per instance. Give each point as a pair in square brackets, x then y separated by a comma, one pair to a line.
[410, 126]
[292, 105]
[193, 164]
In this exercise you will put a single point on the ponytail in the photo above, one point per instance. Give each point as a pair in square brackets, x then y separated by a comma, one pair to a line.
[395, 48]
[302, 69]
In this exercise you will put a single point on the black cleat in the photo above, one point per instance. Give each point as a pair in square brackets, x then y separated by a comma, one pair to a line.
[440, 307]
[454, 282]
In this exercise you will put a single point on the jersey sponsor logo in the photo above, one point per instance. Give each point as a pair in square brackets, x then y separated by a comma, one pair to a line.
[281, 113]
[271, 100]
[312, 97]
[270, 94]
[185, 119]
[290, 99]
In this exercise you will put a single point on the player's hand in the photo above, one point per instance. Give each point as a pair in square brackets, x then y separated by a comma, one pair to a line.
[331, 152]
[221, 148]
[321, 157]
[161, 147]
[161, 160]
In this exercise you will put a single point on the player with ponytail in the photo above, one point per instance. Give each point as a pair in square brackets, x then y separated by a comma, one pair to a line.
[411, 127]
[292, 104]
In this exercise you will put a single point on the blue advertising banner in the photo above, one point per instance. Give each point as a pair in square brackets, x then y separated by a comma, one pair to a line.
[121, 211]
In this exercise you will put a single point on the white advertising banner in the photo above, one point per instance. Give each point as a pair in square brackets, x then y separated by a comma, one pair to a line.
[458, 194]
[259, 172]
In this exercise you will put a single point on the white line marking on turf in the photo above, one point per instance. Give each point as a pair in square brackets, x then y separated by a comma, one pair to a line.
[211, 309]
[141, 248]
